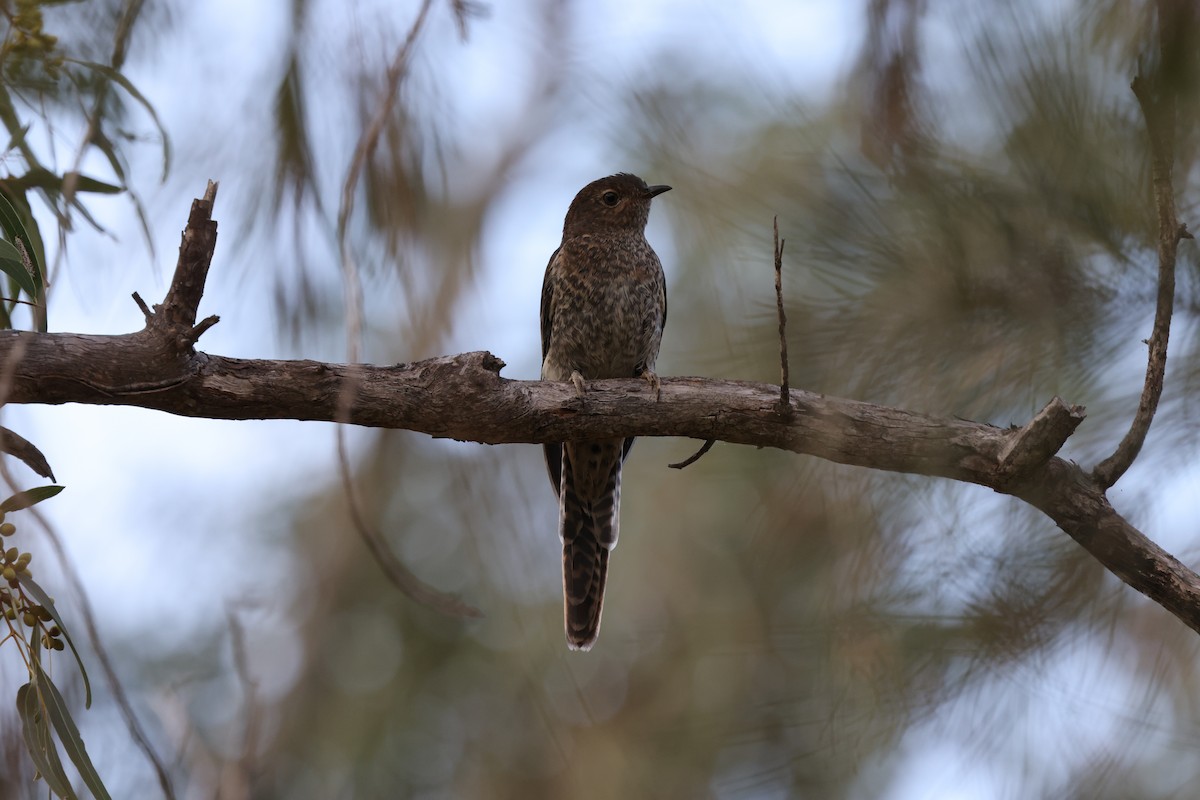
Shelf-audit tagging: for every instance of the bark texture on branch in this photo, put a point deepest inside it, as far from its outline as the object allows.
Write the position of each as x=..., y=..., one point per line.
x=463, y=397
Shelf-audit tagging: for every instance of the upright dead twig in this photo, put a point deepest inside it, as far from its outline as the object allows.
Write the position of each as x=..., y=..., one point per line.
x=785, y=395
x=785, y=398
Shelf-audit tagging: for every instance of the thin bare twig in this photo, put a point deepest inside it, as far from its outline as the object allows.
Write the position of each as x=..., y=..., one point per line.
x=694, y=457
x=396, y=571
x=351, y=280
x=241, y=666
x=370, y=136
x=785, y=399
x=18, y=300
x=1158, y=106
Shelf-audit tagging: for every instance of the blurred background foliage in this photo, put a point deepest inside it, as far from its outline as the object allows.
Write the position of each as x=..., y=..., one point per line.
x=969, y=232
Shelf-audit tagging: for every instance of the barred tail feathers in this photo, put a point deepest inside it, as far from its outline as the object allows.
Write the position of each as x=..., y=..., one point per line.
x=589, y=508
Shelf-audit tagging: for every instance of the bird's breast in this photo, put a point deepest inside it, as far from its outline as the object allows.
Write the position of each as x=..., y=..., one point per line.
x=608, y=308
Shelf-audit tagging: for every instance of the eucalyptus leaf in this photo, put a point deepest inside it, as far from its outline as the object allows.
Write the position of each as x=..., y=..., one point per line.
x=39, y=742
x=85, y=184
x=59, y=714
x=30, y=497
x=116, y=77
x=39, y=594
x=19, y=447
x=42, y=178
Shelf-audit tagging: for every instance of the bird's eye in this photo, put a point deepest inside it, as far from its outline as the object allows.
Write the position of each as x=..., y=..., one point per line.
x=609, y=198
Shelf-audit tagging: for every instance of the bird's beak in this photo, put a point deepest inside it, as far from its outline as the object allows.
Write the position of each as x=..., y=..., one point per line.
x=655, y=191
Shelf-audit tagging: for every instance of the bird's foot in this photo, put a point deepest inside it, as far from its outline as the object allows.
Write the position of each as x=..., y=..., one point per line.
x=655, y=384
x=577, y=379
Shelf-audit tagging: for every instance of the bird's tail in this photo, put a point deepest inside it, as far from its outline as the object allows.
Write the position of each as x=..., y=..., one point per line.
x=585, y=569
x=589, y=506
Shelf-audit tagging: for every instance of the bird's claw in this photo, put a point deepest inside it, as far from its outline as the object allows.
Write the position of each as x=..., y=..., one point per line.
x=577, y=380
x=655, y=384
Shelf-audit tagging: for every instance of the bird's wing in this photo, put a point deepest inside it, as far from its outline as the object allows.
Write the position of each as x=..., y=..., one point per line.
x=664, y=299
x=548, y=303
x=553, y=452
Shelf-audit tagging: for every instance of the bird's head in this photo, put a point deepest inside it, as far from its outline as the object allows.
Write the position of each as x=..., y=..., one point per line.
x=619, y=202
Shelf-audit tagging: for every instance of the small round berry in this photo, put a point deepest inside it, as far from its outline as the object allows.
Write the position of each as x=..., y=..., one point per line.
x=7, y=529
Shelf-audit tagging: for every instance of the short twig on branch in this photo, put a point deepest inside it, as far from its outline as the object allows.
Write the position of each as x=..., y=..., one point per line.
x=146, y=312
x=1039, y=439
x=193, y=336
x=694, y=457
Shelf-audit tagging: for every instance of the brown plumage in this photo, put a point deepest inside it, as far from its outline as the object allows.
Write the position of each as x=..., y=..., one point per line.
x=604, y=305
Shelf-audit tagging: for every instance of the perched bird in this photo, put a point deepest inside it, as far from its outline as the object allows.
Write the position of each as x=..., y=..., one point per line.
x=604, y=305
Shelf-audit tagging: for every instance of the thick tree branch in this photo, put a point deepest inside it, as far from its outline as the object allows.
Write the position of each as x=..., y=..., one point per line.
x=464, y=397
